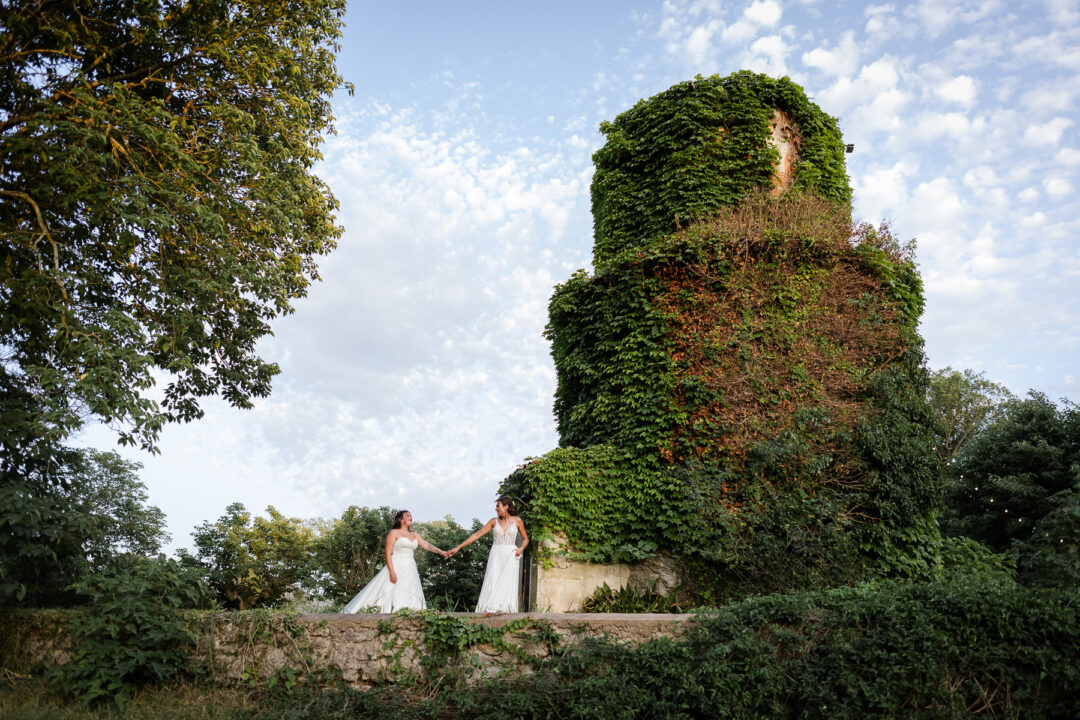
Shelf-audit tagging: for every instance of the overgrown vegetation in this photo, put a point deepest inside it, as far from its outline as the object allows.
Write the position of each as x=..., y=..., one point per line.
x=630, y=599
x=681, y=155
x=132, y=633
x=958, y=647
x=68, y=517
x=1015, y=488
x=741, y=381
x=157, y=211
x=749, y=393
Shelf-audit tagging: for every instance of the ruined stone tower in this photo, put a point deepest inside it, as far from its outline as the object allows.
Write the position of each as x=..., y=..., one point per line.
x=740, y=397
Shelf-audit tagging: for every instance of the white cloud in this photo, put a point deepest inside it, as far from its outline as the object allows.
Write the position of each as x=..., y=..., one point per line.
x=1048, y=133
x=937, y=16
x=960, y=90
x=882, y=191
x=878, y=77
x=1064, y=12
x=765, y=13
x=767, y=55
x=934, y=125
x=841, y=60
x=878, y=18
x=937, y=204
x=1068, y=156
x=1057, y=186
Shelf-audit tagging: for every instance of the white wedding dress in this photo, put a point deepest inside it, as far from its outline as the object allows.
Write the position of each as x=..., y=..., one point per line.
x=499, y=593
x=387, y=596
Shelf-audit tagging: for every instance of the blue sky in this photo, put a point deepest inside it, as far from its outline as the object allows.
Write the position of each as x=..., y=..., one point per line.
x=415, y=375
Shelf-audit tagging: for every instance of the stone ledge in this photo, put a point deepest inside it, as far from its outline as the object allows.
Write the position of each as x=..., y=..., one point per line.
x=366, y=649
x=380, y=648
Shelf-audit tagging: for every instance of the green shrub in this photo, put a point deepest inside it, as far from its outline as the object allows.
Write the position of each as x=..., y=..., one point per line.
x=132, y=633
x=956, y=648
x=630, y=599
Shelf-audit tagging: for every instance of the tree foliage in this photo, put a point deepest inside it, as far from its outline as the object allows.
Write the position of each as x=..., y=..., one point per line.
x=1016, y=488
x=349, y=550
x=159, y=207
x=109, y=485
x=963, y=402
x=250, y=562
x=132, y=633
x=89, y=509
x=452, y=585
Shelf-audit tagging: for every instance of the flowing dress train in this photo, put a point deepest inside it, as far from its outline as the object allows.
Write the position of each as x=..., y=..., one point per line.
x=380, y=593
x=499, y=593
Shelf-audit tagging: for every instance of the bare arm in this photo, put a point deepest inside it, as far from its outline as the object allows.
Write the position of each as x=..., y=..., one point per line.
x=476, y=535
x=428, y=546
x=524, y=536
x=390, y=539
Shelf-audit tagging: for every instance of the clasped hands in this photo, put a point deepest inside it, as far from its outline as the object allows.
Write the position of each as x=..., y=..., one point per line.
x=447, y=554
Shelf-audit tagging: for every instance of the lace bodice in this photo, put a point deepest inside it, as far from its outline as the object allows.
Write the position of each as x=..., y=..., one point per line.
x=505, y=537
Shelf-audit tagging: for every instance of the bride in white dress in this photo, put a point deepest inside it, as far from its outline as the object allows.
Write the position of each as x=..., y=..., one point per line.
x=499, y=593
x=397, y=585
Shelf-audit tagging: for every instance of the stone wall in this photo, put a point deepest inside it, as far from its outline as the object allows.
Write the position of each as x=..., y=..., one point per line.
x=372, y=649
x=365, y=649
x=563, y=585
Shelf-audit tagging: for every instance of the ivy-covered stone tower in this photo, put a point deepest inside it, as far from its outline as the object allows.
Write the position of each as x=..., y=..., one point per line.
x=741, y=388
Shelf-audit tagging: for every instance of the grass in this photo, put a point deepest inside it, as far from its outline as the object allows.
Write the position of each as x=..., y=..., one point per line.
x=23, y=698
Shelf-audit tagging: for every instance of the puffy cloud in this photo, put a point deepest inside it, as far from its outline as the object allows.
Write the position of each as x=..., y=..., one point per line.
x=960, y=90
x=881, y=191
x=841, y=60
x=1068, y=156
x=878, y=77
x=878, y=18
x=765, y=13
x=1057, y=186
x=767, y=55
x=1048, y=133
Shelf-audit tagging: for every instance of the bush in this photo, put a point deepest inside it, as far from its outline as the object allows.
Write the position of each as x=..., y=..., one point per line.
x=132, y=632
x=948, y=649
x=954, y=648
x=631, y=600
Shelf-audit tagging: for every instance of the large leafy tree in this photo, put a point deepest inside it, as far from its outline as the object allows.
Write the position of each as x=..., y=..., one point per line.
x=157, y=201
x=110, y=489
x=157, y=211
x=964, y=403
x=1016, y=489
x=350, y=549
x=53, y=533
x=250, y=562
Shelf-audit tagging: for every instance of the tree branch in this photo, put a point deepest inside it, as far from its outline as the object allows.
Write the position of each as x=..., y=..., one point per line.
x=44, y=234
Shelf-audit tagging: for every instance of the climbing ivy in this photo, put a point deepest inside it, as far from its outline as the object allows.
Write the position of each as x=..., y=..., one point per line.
x=747, y=392
x=607, y=506
x=701, y=145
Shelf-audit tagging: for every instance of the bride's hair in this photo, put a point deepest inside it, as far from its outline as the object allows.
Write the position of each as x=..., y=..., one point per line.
x=398, y=518
x=508, y=503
